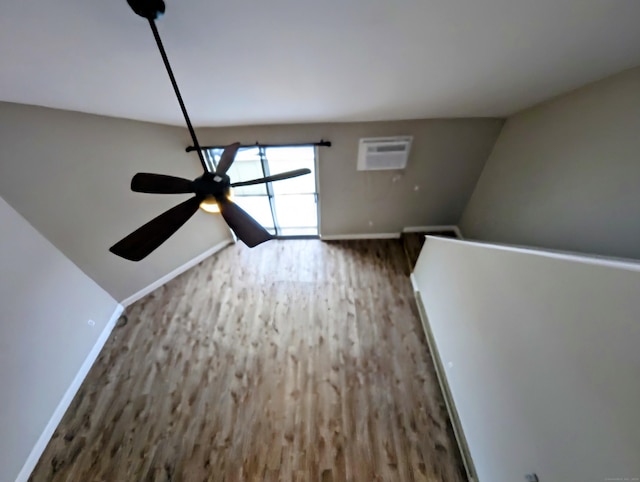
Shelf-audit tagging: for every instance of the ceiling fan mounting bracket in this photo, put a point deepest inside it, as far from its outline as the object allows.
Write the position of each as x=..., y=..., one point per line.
x=149, y=9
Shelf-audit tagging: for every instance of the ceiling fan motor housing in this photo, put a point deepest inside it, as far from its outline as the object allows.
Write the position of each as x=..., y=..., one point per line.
x=210, y=184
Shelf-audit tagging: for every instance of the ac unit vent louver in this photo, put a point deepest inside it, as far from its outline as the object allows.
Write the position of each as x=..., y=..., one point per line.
x=382, y=153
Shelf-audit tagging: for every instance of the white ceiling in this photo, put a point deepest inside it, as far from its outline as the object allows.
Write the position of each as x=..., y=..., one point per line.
x=277, y=61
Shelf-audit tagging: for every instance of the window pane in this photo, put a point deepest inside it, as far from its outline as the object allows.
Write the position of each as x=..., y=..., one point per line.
x=213, y=155
x=245, y=171
x=294, y=199
x=243, y=154
x=210, y=159
x=294, y=154
x=248, y=154
x=296, y=211
x=283, y=159
x=258, y=207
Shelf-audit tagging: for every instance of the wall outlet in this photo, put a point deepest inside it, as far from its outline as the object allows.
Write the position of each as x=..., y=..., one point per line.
x=531, y=478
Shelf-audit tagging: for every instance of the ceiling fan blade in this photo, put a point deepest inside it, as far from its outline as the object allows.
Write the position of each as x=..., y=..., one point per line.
x=160, y=184
x=246, y=228
x=228, y=155
x=275, y=177
x=144, y=240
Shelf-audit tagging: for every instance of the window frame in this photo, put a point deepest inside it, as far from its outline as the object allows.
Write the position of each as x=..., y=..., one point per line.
x=270, y=195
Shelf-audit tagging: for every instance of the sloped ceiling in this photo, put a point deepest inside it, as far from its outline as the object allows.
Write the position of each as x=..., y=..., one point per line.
x=247, y=62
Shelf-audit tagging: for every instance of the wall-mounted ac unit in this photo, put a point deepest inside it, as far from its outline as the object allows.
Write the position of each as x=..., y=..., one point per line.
x=381, y=153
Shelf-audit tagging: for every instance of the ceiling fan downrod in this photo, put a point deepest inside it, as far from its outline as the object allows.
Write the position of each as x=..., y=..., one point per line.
x=151, y=10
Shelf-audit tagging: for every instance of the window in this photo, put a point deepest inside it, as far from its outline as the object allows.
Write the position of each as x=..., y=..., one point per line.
x=284, y=208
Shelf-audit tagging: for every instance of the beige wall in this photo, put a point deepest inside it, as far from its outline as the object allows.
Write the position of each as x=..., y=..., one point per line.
x=540, y=354
x=68, y=174
x=565, y=174
x=446, y=159
x=45, y=304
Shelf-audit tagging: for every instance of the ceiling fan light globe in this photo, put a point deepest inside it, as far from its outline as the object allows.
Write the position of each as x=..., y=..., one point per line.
x=210, y=205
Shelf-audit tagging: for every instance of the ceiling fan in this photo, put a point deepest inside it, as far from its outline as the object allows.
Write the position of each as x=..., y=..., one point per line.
x=211, y=186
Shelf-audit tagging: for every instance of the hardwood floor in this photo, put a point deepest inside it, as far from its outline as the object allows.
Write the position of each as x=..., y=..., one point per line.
x=412, y=243
x=294, y=361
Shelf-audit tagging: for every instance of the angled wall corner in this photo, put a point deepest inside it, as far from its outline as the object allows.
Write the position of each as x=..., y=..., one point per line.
x=564, y=174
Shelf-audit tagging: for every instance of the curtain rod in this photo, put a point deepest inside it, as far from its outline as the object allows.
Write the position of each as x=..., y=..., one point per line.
x=322, y=143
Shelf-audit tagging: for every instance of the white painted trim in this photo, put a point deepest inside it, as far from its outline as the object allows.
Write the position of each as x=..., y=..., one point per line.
x=628, y=264
x=67, y=398
x=336, y=237
x=427, y=229
x=178, y=271
x=441, y=375
x=414, y=283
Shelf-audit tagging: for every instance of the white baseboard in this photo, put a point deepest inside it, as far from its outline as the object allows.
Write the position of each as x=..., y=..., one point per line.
x=444, y=387
x=336, y=237
x=427, y=229
x=408, y=229
x=178, y=271
x=67, y=398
